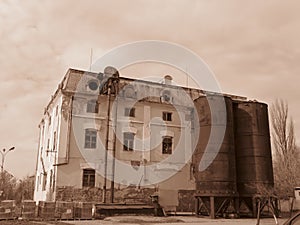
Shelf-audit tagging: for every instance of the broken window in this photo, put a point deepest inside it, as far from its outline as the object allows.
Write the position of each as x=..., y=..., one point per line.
x=90, y=138
x=92, y=106
x=88, y=179
x=167, y=116
x=167, y=145
x=130, y=112
x=128, y=141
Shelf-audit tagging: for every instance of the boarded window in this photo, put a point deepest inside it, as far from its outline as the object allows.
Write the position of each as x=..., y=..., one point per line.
x=88, y=179
x=128, y=141
x=167, y=145
x=90, y=138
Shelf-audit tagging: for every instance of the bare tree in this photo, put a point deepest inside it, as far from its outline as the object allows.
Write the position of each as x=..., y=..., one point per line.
x=286, y=160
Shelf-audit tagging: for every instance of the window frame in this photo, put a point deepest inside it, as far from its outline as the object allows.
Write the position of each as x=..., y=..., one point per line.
x=89, y=134
x=128, y=141
x=129, y=112
x=88, y=178
x=167, y=140
x=92, y=106
x=44, y=184
x=54, y=140
x=167, y=116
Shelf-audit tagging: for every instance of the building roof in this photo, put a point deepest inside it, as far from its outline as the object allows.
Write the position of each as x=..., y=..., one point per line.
x=72, y=78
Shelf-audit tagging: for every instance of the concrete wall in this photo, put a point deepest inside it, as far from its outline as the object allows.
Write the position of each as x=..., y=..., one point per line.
x=51, y=130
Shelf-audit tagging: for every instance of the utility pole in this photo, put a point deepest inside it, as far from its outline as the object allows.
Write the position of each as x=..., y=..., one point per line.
x=109, y=85
x=3, y=154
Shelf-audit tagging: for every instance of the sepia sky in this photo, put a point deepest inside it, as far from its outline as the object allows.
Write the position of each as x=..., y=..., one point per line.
x=253, y=47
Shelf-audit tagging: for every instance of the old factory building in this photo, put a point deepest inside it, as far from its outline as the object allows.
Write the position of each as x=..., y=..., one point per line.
x=106, y=138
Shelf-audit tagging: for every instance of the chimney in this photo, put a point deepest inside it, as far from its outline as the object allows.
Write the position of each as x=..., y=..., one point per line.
x=168, y=79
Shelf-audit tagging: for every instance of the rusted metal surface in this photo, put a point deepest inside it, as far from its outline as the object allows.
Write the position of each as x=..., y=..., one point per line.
x=253, y=148
x=119, y=209
x=220, y=176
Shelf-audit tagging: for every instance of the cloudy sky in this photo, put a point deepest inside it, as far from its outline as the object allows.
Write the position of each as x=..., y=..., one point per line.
x=253, y=47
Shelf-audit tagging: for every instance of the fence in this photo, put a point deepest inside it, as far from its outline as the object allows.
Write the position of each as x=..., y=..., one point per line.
x=44, y=210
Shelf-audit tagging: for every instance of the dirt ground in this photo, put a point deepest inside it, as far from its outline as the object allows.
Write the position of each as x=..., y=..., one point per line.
x=149, y=220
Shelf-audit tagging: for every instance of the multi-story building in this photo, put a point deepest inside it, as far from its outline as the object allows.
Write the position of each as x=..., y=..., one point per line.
x=108, y=137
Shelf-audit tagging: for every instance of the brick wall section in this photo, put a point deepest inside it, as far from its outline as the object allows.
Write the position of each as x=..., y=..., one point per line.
x=75, y=194
x=186, y=201
x=126, y=195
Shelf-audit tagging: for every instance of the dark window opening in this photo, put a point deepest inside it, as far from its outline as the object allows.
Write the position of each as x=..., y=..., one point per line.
x=56, y=111
x=128, y=141
x=92, y=106
x=167, y=145
x=44, y=181
x=93, y=85
x=130, y=112
x=90, y=138
x=51, y=179
x=88, y=179
x=167, y=116
x=54, y=141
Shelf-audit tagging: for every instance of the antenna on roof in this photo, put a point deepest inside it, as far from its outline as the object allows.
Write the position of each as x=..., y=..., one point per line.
x=91, y=59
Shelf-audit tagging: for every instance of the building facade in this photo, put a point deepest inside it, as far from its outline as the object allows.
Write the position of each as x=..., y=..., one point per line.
x=106, y=138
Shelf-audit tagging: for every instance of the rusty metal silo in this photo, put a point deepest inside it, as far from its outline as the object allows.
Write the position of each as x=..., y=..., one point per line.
x=216, y=184
x=253, y=148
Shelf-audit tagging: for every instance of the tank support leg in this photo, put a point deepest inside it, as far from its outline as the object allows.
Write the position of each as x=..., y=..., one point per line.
x=212, y=207
x=197, y=205
x=237, y=205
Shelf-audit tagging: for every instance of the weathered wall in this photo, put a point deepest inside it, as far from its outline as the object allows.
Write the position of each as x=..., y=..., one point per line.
x=126, y=195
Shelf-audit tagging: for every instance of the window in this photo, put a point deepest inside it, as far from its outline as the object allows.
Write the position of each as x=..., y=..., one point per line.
x=92, y=106
x=130, y=112
x=166, y=96
x=56, y=110
x=128, y=141
x=88, y=179
x=90, y=138
x=48, y=147
x=93, y=85
x=44, y=181
x=167, y=116
x=167, y=145
x=54, y=140
x=51, y=177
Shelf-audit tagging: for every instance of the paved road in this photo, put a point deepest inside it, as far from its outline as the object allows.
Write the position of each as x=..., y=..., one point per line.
x=178, y=220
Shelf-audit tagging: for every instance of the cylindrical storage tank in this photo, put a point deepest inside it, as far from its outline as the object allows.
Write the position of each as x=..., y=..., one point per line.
x=218, y=176
x=253, y=148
